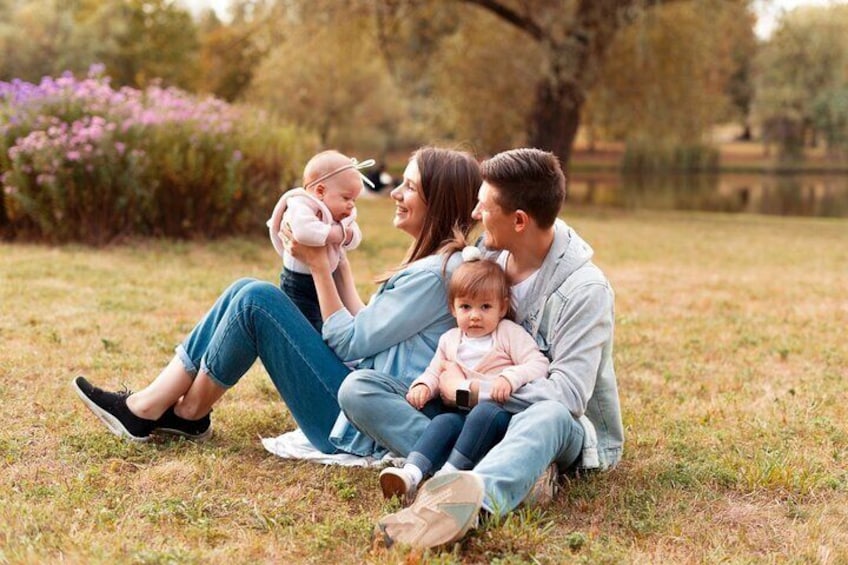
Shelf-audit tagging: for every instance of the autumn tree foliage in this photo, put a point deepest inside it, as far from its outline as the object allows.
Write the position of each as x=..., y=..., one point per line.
x=326, y=74
x=540, y=61
x=138, y=41
x=802, y=82
x=669, y=76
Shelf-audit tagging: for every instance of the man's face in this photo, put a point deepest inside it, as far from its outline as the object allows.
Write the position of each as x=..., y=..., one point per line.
x=499, y=225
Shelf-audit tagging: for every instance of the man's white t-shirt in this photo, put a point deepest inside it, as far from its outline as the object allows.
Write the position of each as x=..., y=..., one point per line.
x=517, y=291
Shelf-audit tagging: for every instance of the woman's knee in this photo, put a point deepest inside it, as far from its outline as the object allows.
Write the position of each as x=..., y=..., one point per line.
x=352, y=390
x=238, y=285
x=255, y=295
x=254, y=290
x=360, y=389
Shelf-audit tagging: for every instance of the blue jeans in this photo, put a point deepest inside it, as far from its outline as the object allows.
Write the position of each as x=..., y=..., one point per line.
x=255, y=319
x=544, y=433
x=301, y=289
x=460, y=438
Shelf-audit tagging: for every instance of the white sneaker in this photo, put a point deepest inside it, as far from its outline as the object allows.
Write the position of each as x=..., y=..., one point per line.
x=397, y=481
x=443, y=512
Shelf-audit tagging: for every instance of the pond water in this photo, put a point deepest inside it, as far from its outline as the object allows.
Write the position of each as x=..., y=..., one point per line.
x=824, y=195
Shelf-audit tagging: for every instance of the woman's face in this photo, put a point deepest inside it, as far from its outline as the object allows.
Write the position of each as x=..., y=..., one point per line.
x=410, y=208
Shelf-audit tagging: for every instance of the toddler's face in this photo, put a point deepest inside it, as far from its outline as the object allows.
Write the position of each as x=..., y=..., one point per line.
x=478, y=316
x=340, y=197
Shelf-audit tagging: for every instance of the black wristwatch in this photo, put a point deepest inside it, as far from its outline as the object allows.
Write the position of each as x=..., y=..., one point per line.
x=463, y=396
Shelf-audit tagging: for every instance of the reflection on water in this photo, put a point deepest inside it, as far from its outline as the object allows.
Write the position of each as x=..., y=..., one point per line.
x=784, y=195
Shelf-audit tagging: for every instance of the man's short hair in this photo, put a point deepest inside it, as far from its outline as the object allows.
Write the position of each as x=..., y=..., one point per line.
x=527, y=179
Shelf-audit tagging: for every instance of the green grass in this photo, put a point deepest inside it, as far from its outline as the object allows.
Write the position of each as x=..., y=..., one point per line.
x=732, y=361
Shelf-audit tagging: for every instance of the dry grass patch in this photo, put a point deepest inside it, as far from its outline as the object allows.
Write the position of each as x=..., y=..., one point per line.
x=731, y=357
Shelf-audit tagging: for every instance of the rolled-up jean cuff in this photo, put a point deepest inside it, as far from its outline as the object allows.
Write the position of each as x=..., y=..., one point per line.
x=421, y=461
x=204, y=368
x=188, y=364
x=460, y=461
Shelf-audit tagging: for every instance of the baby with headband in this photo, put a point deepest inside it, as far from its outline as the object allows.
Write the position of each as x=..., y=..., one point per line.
x=486, y=347
x=322, y=213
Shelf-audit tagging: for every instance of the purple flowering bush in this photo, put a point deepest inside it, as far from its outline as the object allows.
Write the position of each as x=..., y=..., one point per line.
x=81, y=161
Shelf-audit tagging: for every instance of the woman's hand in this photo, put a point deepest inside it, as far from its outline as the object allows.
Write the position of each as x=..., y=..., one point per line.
x=501, y=390
x=418, y=396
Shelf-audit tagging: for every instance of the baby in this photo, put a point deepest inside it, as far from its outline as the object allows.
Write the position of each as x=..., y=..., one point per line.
x=322, y=213
x=486, y=347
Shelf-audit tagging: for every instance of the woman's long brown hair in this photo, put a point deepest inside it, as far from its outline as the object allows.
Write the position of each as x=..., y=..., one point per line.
x=450, y=180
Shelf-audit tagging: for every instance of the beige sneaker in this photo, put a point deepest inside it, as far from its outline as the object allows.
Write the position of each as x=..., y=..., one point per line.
x=444, y=510
x=545, y=488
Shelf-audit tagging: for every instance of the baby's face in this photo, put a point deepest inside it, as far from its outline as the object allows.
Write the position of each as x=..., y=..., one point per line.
x=339, y=195
x=478, y=316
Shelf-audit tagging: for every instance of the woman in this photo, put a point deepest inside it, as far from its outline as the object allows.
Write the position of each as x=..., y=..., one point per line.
x=395, y=333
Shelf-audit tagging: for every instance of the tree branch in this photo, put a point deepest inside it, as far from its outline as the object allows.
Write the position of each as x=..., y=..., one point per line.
x=512, y=17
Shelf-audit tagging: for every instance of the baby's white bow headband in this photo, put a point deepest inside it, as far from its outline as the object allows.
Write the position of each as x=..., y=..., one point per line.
x=471, y=253
x=354, y=164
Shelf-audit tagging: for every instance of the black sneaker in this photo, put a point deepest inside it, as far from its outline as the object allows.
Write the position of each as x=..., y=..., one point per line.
x=111, y=408
x=197, y=430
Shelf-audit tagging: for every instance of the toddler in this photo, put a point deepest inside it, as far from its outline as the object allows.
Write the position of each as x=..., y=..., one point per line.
x=321, y=213
x=487, y=347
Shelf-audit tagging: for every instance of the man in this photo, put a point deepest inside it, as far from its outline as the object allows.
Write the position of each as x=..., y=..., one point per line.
x=566, y=303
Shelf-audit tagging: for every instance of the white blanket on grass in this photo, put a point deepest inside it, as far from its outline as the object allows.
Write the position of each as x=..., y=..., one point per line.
x=294, y=445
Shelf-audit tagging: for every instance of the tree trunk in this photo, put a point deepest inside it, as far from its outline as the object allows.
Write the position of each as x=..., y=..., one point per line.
x=555, y=118
x=4, y=220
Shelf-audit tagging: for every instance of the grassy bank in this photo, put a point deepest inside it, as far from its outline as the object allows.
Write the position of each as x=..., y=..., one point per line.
x=732, y=361
x=734, y=157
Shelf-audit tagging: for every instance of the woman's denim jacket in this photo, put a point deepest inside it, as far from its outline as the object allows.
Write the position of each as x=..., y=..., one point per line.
x=396, y=333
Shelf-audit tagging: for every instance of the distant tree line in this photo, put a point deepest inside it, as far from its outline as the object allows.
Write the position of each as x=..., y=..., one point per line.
x=381, y=75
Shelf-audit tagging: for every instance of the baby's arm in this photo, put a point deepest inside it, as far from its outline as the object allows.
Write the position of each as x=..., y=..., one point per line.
x=336, y=235
x=528, y=362
x=306, y=227
x=346, y=233
x=353, y=235
x=419, y=395
x=501, y=389
x=429, y=379
x=275, y=225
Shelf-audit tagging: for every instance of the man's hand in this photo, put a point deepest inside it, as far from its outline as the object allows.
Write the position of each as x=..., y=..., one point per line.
x=450, y=379
x=501, y=390
x=419, y=395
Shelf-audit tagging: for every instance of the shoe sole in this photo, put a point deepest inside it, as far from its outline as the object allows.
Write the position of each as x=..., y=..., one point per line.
x=113, y=424
x=393, y=485
x=456, y=497
x=193, y=437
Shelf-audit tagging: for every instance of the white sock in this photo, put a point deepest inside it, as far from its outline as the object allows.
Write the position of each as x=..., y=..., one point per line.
x=446, y=468
x=414, y=473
